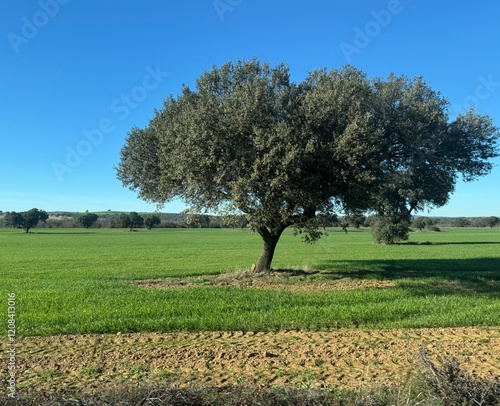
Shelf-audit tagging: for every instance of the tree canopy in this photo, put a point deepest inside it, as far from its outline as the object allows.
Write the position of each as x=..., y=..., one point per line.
x=492, y=221
x=151, y=221
x=26, y=219
x=131, y=220
x=87, y=220
x=248, y=140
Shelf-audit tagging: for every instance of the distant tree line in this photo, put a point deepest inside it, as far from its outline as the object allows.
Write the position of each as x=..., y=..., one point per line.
x=130, y=220
x=39, y=218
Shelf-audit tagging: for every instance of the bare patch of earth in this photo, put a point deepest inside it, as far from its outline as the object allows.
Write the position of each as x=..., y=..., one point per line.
x=292, y=281
x=335, y=359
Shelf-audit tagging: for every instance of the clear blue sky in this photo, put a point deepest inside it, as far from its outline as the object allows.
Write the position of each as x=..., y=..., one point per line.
x=77, y=75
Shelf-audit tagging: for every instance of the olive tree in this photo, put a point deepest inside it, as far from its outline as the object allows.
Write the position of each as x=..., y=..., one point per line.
x=420, y=223
x=87, y=220
x=26, y=219
x=13, y=219
x=131, y=220
x=151, y=221
x=425, y=153
x=250, y=141
x=492, y=221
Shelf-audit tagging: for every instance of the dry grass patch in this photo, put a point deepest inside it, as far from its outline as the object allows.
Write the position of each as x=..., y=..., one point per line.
x=291, y=280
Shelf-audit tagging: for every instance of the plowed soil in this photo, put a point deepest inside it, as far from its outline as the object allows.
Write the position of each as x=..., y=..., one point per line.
x=335, y=359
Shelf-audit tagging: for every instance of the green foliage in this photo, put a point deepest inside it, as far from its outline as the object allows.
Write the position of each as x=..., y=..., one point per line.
x=130, y=220
x=198, y=220
x=492, y=221
x=389, y=230
x=13, y=219
x=247, y=140
x=87, y=220
x=124, y=220
x=151, y=221
x=461, y=222
x=421, y=223
x=355, y=219
x=26, y=219
x=135, y=220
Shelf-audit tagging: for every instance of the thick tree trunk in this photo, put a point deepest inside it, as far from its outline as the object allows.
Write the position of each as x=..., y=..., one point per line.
x=270, y=241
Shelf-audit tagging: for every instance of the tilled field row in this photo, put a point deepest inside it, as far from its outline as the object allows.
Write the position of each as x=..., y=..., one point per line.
x=334, y=359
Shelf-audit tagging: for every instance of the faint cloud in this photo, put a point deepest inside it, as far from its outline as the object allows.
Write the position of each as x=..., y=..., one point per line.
x=122, y=106
x=363, y=36
x=32, y=26
x=224, y=6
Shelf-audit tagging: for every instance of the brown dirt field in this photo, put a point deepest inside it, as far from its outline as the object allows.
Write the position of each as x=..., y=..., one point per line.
x=335, y=359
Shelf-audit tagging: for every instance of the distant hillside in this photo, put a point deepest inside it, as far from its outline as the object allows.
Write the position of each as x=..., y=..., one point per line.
x=110, y=214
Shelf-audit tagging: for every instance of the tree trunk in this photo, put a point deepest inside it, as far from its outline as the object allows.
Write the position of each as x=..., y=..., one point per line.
x=270, y=241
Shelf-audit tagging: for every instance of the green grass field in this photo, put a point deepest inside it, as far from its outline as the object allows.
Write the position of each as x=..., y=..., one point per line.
x=78, y=281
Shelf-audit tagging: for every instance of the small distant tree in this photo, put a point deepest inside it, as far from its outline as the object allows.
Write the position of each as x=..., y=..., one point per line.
x=461, y=222
x=388, y=230
x=329, y=220
x=151, y=221
x=26, y=219
x=492, y=221
x=135, y=220
x=355, y=220
x=87, y=220
x=124, y=220
x=198, y=221
x=131, y=220
x=420, y=223
x=13, y=219
x=235, y=221
x=33, y=217
x=343, y=225
x=432, y=224
x=370, y=220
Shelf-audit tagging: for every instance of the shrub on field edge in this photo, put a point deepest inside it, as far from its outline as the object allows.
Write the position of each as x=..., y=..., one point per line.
x=454, y=386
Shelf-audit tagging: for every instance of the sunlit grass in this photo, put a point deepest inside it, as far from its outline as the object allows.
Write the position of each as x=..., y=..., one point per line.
x=78, y=281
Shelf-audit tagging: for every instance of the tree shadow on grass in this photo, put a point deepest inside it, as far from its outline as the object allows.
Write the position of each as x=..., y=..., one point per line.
x=420, y=276
x=449, y=243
